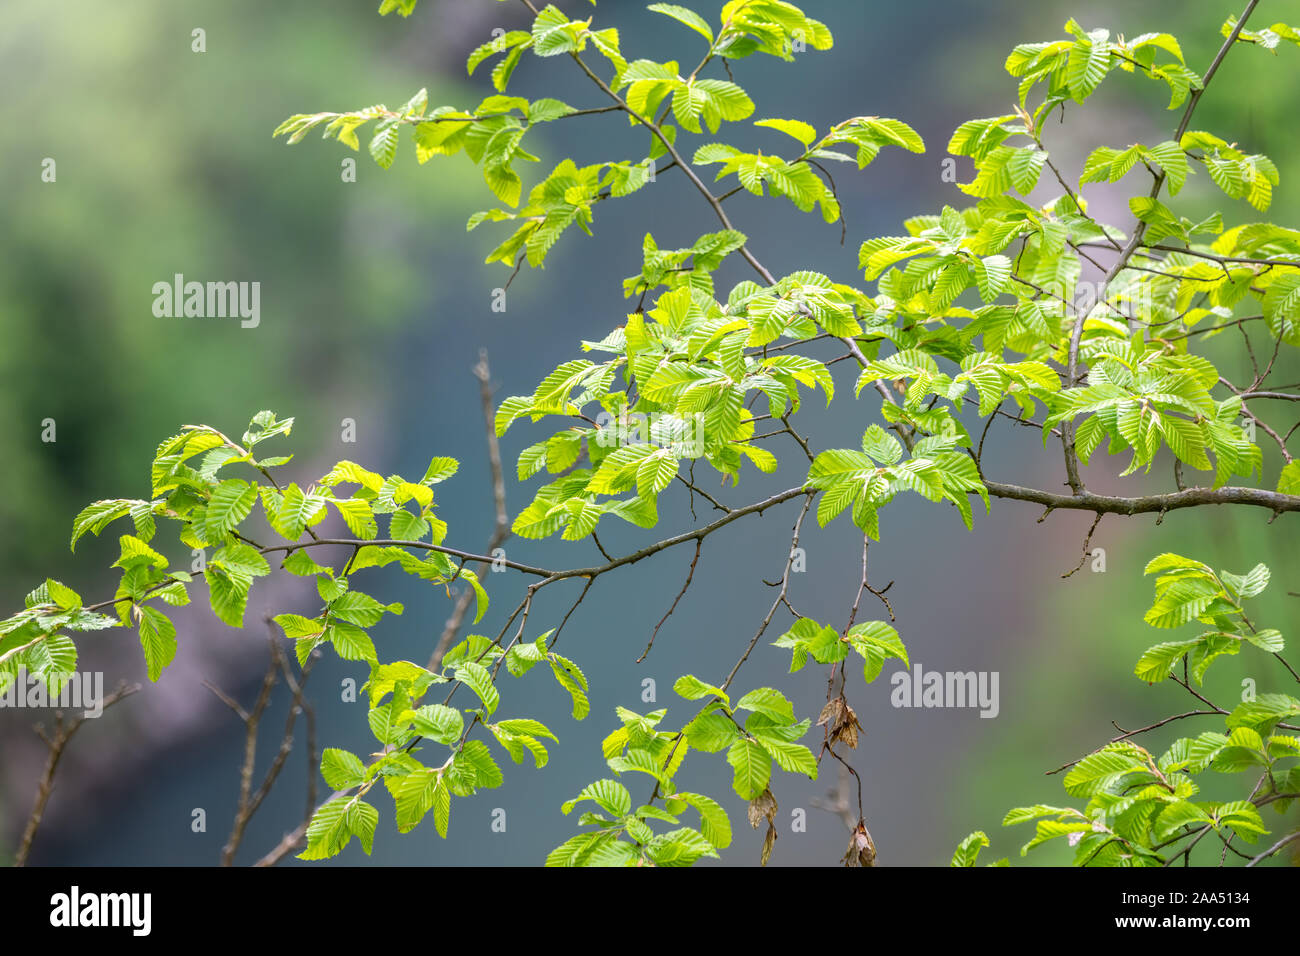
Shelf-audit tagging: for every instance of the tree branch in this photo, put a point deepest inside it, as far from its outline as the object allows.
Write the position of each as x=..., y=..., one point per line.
x=500, y=531
x=1148, y=504
x=57, y=744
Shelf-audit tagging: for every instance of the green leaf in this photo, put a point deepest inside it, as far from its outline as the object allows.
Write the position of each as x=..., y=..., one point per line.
x=789, y=756
x=477, y=678
x=1251, y=584
x=1288, y=482
x=1089, y=63
x=526, y=725
x=358, y=516
x=362, y=819
x=992, y=275
x=242, y=560
x=158, y=638
x=230, y=504
x=1168, y=561
x=546, y=110
x=683, y=15
x=296, y=626
x=769, y=702
x=262, y=426
x=440, y=469
x=692, y=688
x=330, y=830
x=480, y=595
x=805, y=133
x=711, y=732
x=1262, y=713
x=383, y=145
x=350, y=642
x=882, y=446
x=876, y=641
x=341, y=769
x=475, y=759
x=968, y=850
x=1023, y=167
x=1242, y=818
x=1181, y=602
x=98, y=515
x=723, y=101
x=361, y=609
x=1176, y=815
x=53, y=660
x=1267, y=639
x=610, y=795
x=1156, y=663
x=1099, y=771
x=689, y=101
x=406, y=526
x=641, y=760
x=551, y=33
x=415, y=795
x=714, y=824
x=230, y=575
x=580, y=849
x=753, y=768
x=135, y=552
x=572, y=679
x=655, y=473
x=438, y=722
x=680, y=848
x=1173, y=161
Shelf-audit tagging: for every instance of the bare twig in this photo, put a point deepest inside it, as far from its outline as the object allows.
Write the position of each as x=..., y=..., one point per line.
x=250, y=800
x=1087, y=540
x=501, y=529
x=680, y=594
x=57, y=744
x=1289, y=838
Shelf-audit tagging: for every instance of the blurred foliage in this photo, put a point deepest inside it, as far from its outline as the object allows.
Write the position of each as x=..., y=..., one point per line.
x=165, y=165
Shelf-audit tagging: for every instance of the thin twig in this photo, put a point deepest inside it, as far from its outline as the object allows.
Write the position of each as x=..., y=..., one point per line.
x=57, y=744
x=500, y=530
x=680, y=594
x=1087, y=540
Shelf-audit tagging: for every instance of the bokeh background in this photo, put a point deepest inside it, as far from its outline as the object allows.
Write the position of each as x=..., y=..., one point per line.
x=374, y=306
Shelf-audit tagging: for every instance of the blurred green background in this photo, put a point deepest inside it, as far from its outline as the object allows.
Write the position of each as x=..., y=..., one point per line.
x=374, y=304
